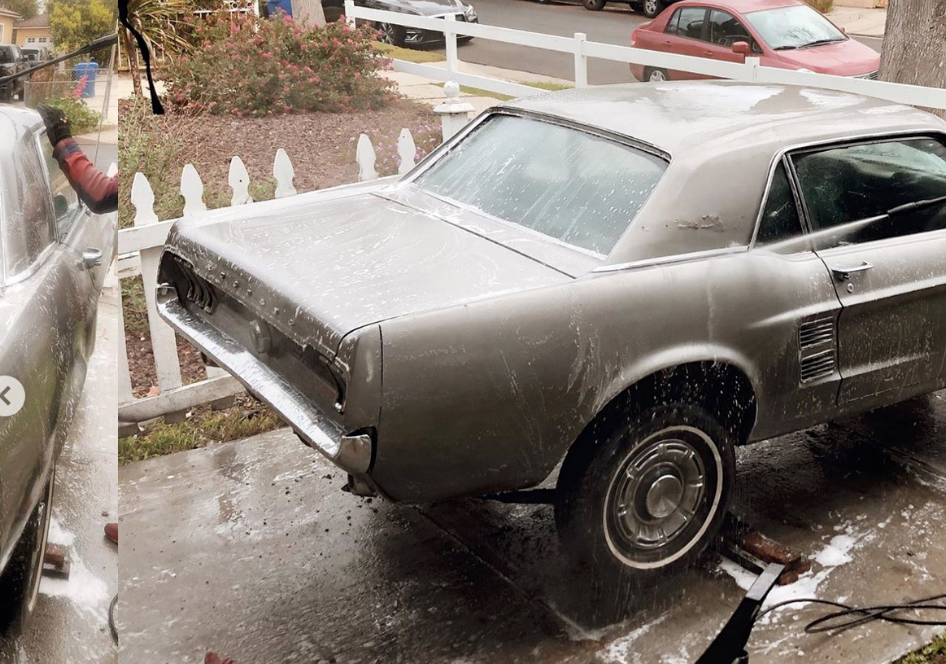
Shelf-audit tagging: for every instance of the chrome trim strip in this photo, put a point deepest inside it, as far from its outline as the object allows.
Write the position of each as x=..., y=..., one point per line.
x=508, y=224
x=676, y=258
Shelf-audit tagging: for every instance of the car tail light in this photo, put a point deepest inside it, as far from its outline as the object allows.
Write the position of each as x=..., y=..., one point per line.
x=634, y=39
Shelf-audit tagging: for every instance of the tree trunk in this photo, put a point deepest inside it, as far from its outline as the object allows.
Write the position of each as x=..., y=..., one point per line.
x=131, y=52
x=914, y=48
x=308, y=13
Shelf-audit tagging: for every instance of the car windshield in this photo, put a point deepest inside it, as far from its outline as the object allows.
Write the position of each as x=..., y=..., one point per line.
x=794, y=27
x=568, y=184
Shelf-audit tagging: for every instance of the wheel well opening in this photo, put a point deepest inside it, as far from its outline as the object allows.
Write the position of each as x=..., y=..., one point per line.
x=723, y=389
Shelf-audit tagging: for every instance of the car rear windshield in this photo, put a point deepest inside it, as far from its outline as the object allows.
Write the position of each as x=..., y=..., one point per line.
x=574, y=186
x=788, y=28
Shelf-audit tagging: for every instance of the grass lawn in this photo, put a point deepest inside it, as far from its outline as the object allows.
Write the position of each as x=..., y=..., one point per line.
x=935, y=653
x=407, y=54
x=202, y=427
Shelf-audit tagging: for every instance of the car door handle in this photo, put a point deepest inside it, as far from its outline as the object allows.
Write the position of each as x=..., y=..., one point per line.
x=91, y=258
x=844, y=273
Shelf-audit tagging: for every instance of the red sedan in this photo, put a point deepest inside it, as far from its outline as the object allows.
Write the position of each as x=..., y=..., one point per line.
x=781, y=33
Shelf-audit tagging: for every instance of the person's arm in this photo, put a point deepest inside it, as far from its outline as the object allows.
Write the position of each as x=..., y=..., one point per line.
x=98, y=191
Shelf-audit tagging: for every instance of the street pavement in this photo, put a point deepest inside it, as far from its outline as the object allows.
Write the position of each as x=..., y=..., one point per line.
x=252, y=550
x=612, y=25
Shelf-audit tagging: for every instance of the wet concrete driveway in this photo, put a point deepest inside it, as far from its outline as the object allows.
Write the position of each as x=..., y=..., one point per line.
x=252, y=550
x=70, y=625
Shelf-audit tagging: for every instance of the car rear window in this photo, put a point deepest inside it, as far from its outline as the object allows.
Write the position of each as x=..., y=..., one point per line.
x=568, y=184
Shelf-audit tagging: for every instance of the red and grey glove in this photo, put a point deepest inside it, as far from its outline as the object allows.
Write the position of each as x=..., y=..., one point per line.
x=57, y=126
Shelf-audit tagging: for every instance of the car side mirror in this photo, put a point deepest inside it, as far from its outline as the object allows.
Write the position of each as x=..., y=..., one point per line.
x=742, y=48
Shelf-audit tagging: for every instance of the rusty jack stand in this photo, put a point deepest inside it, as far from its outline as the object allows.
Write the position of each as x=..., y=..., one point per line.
x=749, y=548
x=56, y=563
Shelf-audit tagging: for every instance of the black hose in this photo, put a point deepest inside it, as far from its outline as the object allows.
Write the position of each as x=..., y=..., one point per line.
x=156, y=106
x=111, y=619
x=848, y=617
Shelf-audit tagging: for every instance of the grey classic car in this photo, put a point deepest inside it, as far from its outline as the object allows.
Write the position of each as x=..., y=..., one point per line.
x=53, y=257
x=627, y=280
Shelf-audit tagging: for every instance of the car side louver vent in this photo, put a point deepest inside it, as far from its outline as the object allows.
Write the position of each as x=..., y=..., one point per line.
x=817, y=340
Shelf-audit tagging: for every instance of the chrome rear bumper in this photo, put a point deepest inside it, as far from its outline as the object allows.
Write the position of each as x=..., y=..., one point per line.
x=317, y=428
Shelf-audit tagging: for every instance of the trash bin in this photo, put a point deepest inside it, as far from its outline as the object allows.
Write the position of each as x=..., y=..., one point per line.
x=87, y=70
x=276, y=6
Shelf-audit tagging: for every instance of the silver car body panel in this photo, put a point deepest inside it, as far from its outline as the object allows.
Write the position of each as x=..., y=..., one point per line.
x=484, y=388
x=47, y=319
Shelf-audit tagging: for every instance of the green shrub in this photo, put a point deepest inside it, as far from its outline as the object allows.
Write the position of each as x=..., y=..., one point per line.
x=246, y=66
x=145, y=145
x=82, y=119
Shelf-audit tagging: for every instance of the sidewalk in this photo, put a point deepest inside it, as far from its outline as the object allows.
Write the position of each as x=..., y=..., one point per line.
x=427, y=91
x=860, y=22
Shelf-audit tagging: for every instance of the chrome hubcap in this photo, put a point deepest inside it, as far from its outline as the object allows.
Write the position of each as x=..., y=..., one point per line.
x=387, y=33
x=650, y=6
x=663, y=497
x=657, y=493
x=657, y=76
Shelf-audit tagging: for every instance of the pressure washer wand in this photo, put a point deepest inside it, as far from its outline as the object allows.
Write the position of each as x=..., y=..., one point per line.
x=729, y=646
x=101, y=42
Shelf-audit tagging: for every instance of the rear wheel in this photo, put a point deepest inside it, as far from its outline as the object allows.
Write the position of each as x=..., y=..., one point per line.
x=652, y=8
x=644, y=493
x=390, y=34
x=19, y=582
x=655, y=75
x=594, y=5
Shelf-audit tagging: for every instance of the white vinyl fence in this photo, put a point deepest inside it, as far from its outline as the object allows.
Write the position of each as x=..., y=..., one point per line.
x=139, y=251
x=582, y=49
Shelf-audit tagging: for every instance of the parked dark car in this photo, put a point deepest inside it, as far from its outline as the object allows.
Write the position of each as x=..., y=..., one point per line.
x=12, y=61
x=650, y=8
x=398, y=35
x=782, y=33
x=53, y=256
x=578, y=278
x=37, y=55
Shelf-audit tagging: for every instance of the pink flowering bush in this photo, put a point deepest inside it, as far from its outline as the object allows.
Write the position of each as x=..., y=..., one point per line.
x=246, y=66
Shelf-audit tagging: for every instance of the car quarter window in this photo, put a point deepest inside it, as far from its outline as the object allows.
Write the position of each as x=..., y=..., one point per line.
x=860, y=182
x=687, y=22
x=65, y=199
x=27, y=231
x=780, y=220
x=725, y=30
x=576, y=187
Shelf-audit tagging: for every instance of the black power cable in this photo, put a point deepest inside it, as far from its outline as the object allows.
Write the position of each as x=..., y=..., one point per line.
x=156, y=106
x=857, y=616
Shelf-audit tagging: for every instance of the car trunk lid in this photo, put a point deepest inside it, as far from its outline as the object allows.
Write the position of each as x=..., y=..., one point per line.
x=318, y=270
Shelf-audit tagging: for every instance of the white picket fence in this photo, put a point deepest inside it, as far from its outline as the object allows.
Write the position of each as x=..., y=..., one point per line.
x=582, y=49
x=139, y=252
